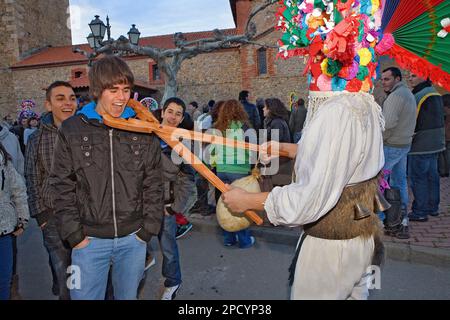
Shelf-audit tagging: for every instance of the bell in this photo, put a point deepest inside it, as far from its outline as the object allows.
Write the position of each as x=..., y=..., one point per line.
x=361, y=212
x=381, y=204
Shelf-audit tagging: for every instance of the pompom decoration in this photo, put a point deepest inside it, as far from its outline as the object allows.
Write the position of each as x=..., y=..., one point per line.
x=324, y=83
x=25, y=110
x=338, y=36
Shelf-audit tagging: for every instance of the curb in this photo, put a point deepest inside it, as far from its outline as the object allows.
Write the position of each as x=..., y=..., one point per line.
x=289, y=236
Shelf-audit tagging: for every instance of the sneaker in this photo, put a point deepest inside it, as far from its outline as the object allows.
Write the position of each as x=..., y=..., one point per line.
x=252, y=242
x=182, y=230
x=170, y=292
x=150, y=261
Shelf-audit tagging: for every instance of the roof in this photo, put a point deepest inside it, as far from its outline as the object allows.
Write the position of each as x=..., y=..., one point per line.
x=83, y=82
x=54, y=56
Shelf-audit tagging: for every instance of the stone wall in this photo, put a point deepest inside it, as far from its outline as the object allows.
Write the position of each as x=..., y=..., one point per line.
x=31, y=83
x=42, y=23
x=23, y=31
x=9, y=54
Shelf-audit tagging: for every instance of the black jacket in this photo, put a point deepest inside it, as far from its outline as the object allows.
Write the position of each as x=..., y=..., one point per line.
x=102, y=191
x=429, y=134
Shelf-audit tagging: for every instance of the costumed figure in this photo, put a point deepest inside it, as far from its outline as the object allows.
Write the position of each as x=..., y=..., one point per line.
x=335, y=194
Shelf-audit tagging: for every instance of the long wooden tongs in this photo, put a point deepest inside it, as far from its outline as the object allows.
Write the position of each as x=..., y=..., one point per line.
x=149, y=124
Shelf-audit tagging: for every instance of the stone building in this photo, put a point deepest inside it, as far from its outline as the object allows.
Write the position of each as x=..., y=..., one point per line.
x=35, y=52
x=32, y=59
x=24, y=32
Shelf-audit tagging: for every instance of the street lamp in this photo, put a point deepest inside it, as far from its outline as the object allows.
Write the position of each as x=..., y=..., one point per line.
x=133, y=35
x=98, y=28
x=94, y=42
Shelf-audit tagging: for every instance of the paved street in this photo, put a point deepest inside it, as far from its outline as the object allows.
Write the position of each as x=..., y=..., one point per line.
x=211, y=271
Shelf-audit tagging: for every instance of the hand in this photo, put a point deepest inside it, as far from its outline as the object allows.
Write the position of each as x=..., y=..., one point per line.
x=42, y=226
x=18, y=232
x=82, y=244
x=235, y=198
x=268, y=151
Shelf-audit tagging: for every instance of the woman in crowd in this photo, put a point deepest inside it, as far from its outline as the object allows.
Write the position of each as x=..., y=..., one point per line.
x=232, y=163
x=14, y=215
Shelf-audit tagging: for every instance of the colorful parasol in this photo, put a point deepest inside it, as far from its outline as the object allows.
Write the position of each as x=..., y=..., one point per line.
x=420, y=30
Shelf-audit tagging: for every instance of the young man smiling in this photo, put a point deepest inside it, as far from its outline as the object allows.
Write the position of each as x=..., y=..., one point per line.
x=61, y=103
x=108, y=188
x=179, y=188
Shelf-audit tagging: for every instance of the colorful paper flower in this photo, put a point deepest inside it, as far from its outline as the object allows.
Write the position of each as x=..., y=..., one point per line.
x=324, y=83
x=445, y=23
x=365, y=56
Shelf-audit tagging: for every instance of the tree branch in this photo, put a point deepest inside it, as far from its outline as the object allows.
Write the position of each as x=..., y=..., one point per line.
x=250, y=28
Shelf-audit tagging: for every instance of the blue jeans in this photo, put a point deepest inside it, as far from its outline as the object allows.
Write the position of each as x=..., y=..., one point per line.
x=126, y=256
x=243, y=236
x=59, y=256
x=395, y=160
x=424, y=178
x=6, y=265
x=171, y=269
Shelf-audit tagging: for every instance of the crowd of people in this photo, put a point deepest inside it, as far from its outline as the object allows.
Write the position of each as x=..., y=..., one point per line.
x=99, y=194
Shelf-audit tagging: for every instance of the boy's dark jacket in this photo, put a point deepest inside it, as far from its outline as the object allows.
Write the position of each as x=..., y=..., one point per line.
x=88, y=176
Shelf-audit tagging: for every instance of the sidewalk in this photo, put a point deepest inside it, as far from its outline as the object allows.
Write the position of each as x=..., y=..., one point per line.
x=429, y=242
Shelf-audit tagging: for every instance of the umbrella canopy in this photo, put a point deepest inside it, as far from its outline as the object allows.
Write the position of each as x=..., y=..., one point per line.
x=419, y=29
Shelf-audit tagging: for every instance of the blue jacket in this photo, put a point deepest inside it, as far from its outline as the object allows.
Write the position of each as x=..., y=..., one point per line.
x=253, y=114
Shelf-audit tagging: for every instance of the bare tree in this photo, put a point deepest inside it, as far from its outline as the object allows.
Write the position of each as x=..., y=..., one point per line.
x=169, y=60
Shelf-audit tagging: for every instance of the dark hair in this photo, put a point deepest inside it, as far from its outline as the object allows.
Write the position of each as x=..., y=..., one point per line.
x=276, y=109
x=106, y=73
x=194, y=104
x=395, y=72
x=175, y=100
x=6, y=155
x=446, y=99
x=300, y=102
x=243, y=95
x=211, y=104
x=216, y=109
x=30, y=119
x=48, y=91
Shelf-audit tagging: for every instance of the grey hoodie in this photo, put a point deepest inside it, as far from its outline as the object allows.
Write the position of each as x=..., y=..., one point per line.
x=14, y=211
x=399, y=111
x=11, y=144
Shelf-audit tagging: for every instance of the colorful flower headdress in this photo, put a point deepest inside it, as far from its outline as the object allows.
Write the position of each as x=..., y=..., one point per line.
x=340, y=38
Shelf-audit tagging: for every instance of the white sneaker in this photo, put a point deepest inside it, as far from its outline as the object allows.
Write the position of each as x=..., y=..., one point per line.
x=170, y=293
x=150, y=261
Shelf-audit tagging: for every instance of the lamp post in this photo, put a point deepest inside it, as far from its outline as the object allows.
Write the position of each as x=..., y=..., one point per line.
x=98, y=29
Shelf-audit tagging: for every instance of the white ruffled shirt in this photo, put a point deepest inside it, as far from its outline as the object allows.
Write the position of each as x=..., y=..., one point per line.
x=342, y=144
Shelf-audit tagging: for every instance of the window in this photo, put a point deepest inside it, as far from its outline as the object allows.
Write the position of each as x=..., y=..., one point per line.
x=262, y=61
x=155, y=72
x=78, y=74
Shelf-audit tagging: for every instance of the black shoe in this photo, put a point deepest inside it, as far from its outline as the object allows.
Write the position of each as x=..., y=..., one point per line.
x=403, y=233
x=415, y=218
x=434, y=214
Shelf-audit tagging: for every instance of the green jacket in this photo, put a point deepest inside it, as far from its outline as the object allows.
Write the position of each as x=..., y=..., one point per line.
x=233, y=160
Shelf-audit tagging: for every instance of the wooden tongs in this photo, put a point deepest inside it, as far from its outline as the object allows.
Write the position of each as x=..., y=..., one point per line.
x=148, y=123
